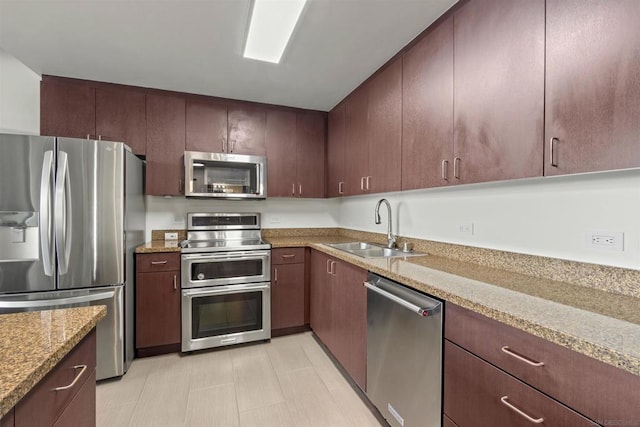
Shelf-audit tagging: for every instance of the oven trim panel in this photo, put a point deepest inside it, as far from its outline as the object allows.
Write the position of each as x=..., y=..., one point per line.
x=189, y=259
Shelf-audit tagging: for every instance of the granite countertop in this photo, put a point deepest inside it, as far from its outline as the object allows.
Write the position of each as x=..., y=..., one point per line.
x=594, y=322
x=156, y=246
x=32, y=343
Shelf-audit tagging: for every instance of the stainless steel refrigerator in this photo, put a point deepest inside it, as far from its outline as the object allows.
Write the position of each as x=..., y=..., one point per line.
x=71, y=215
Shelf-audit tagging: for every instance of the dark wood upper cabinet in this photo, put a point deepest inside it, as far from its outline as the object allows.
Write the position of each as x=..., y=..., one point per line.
x=356, y=144
x=246, y=129
x=592, y=86
x=120, y=116
x=67, y=109
x=280, y=146
x=499, y=90
x=165, y=145
x=336, y=151
x=385, y=129
x=427, y=110
x=310, y=153
x=206, y=126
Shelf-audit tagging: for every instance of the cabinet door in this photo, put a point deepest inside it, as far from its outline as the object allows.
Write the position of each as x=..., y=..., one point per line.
x=356, y=145
x=475, y=394
x=157, y=309
x=206, y=126
x=336, y=151
x=592, y=86
x=385, y=129
x=427, y=110
x=499, y=89
x=355, y=296
x=281, y=146
x=8, y=420
x=82, y=409
x=310, y=153
x=67, y=109
x=340, y=314
x=287, y=295
x=120, y=116
x=320, y=298
x=247, y=131
x=165, y=145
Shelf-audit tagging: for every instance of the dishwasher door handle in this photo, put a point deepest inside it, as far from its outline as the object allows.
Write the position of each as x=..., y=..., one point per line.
x=420, y=311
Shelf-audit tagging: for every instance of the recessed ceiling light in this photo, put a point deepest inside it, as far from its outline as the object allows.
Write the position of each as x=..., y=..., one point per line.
x=271, y=25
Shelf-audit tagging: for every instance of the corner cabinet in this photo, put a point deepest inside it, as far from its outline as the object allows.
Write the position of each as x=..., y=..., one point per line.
x=158, y=302
x=295, y=145
x=592, y=86
x=339, y=312
x=519, y=379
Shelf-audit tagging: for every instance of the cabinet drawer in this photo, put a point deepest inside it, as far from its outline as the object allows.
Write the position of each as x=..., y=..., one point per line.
x=162, y=261
x=477, y=394
x=287, y=256
x=562, y=375
x=44, y=404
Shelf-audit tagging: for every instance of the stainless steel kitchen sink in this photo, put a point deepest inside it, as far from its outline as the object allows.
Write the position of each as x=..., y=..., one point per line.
x=372, y=250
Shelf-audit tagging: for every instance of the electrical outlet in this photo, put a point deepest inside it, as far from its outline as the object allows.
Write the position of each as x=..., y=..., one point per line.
x=178, y=219
x=275, y=220
x=170, y=236
x=466, y=228
x=608, y=240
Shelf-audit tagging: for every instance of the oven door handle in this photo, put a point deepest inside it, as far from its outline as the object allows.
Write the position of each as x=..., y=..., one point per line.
x=232, y=289
x=226, y=256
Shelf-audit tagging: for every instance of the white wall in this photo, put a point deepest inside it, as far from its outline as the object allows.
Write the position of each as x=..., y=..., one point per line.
x=276, y=212
x=542, y=216
x=19, y=97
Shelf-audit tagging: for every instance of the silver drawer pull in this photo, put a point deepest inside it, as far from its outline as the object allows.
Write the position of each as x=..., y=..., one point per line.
x=288, y=256
x=158, y=262
x=503, y=399
x=506, y=349
x=75, y=380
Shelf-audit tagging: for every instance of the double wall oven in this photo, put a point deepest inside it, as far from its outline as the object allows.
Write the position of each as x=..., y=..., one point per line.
x=226, y=268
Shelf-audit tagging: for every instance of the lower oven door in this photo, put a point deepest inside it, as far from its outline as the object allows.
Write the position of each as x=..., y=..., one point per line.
x=225, y=315
x=225, y=268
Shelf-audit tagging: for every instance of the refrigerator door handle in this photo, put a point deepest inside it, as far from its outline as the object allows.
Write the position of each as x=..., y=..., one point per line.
x=45, y=212
x=57, y=302
x=62, y=213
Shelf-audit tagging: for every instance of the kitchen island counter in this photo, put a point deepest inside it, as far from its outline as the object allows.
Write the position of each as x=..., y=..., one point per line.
x=32, y=344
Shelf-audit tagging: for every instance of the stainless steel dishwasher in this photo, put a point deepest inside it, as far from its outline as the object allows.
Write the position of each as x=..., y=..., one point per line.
x=404, y=354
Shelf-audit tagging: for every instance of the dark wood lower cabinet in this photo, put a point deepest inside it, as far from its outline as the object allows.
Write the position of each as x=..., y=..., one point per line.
x=82, y=409
x=47, y=404
x=8, y=420
x=339, y=312
x=476, y=394
x=287, y=296
x=446, y=422
x=157, y=310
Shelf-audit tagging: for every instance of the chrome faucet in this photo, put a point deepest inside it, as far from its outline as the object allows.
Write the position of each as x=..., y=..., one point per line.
x=391, y=239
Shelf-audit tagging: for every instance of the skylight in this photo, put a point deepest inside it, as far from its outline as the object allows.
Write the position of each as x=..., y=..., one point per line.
x=272, y=23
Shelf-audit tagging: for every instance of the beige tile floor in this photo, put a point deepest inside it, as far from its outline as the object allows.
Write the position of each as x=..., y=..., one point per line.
x=289, y=381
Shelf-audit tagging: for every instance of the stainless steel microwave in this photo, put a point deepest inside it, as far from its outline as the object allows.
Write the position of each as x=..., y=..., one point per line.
x=226, y=176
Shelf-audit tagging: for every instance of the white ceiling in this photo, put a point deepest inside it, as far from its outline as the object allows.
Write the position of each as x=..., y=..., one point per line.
x=196, y=46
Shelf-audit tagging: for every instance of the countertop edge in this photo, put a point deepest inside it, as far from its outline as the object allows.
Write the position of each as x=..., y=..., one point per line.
x=36, y=375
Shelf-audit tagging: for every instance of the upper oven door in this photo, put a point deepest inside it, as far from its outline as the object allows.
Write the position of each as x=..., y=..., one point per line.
x=221, y=175
x=225, y=268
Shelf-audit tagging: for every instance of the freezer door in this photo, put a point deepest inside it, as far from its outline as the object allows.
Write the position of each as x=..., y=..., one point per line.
x=89, y=213
x=110, y=330
x=26, y=207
